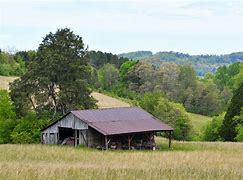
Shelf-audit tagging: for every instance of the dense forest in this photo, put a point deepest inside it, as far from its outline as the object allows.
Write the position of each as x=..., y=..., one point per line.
x=201, y=63
x=62, y=73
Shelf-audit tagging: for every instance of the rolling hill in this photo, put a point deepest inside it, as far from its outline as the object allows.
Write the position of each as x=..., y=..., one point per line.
x=201, y=63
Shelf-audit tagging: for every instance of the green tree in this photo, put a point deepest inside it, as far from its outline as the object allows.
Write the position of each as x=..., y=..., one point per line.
x=28, y=129
x=11, y=64
x=204, y=99
x=7, y=117
x=59, y=76
x=149, y=101
x=213, y=128
x=230, y=123
x=238, y=78
x=141, y=78
x=125, y=68
x=108, y=76
x=187, y=81
x=98, y=59
x=166, y=80
x=172, y=113
x=225, y=76
x=239, y=127
x=175, y=115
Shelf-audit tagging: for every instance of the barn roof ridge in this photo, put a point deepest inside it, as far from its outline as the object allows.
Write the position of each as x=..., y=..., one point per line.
x=101, y=109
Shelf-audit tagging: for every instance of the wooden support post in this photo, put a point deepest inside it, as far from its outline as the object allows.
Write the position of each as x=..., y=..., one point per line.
x=75, y=137
x=169, y=139
x=129, y=142
x=153, y=138
x=42, y=138
x=106, y=143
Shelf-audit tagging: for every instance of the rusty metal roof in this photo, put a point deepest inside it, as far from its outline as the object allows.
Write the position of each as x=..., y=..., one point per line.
x=123, y=120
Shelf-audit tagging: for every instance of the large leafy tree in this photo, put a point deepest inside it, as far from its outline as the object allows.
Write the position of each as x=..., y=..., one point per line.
x=225, y=76
x=58, y=79
x=229, y=131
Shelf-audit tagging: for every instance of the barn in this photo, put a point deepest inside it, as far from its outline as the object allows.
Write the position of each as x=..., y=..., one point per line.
x=116, y=128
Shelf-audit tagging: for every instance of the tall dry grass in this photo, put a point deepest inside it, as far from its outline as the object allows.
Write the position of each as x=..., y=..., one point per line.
x=185, y=161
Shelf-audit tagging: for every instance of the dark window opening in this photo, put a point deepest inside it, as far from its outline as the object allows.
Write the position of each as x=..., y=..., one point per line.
x=65, y=133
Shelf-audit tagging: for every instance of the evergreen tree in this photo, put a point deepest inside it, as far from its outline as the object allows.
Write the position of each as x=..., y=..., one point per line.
x=228, y=131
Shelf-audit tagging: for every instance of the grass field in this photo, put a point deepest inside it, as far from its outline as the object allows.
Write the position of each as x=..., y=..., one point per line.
x=187, y=160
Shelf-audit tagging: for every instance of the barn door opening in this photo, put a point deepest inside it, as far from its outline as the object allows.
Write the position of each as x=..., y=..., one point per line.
x=66, y=135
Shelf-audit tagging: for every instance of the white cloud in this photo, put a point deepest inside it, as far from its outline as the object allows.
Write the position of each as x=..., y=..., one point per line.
x=173, y=19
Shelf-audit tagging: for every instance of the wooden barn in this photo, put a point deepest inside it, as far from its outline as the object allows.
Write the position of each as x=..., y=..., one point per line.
x=116, y=128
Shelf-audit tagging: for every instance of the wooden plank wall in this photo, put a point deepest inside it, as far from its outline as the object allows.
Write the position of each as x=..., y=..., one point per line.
x=50, y=135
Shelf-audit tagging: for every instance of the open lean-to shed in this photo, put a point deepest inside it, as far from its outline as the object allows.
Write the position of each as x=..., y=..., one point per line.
x=117, y=128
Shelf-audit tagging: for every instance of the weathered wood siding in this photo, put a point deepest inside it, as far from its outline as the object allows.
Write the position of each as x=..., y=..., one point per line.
x=95, y=138
x=83, y=137
x=50, y=135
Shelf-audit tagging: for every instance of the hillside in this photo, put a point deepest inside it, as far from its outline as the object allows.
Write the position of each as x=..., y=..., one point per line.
x=198, y=122
x=187, y=160
x=105, y=101
x=201, y=63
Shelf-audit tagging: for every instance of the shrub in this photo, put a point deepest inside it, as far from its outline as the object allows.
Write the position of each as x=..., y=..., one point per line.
x=7, y=117
x=28, y=129
x=175, y=115
x=149, y=101
x=239, y=136
x=213, y=128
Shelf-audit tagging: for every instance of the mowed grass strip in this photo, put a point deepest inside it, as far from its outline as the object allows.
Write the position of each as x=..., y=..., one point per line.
x=198, y=160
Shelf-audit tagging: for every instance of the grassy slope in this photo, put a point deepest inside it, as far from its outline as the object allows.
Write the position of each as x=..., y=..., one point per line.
x=198, y=121
x=188, y=160
x=105, y=101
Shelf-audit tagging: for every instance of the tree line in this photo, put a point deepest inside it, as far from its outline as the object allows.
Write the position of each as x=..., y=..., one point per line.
x=62, y=73
x=201, y=63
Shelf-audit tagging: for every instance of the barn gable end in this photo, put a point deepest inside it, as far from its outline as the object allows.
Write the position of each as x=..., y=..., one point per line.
x=51, y=134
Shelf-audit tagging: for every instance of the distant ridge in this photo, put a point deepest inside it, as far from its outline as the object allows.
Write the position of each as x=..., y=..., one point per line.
x=201, y=63
x=136, y=55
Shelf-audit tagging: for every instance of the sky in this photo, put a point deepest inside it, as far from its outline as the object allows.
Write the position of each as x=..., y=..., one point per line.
x=190, y=26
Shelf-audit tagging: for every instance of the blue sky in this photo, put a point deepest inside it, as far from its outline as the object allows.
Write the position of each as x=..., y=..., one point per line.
x=192, y=26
